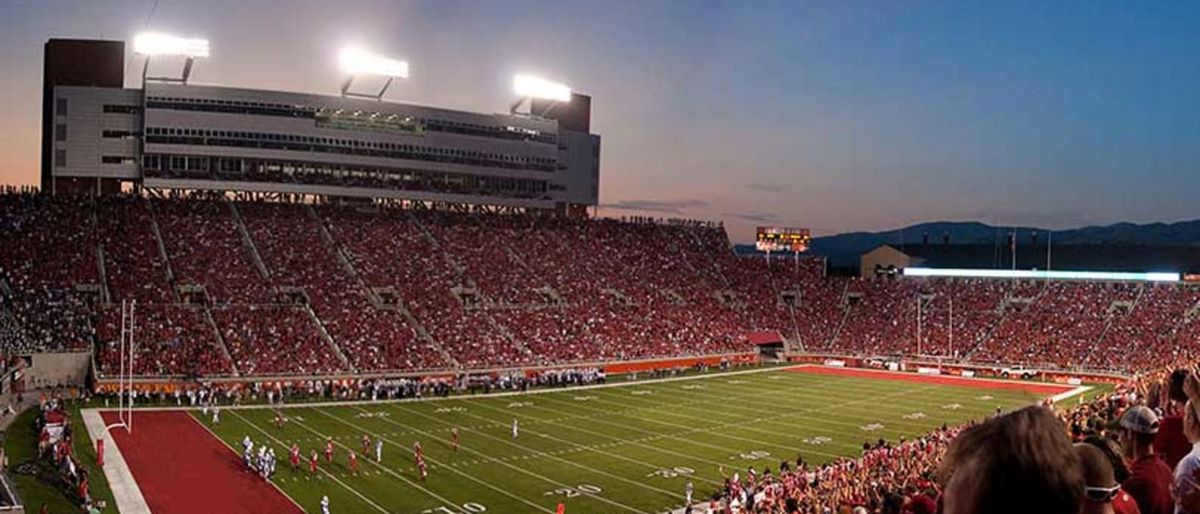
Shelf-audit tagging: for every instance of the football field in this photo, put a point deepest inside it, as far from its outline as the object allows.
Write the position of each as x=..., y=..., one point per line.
x=629, y=446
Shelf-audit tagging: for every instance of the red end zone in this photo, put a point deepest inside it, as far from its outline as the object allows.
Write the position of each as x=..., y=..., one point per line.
x=977, y=383
x=182, y=469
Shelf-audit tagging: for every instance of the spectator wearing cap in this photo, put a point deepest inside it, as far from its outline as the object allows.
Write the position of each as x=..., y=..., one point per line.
x=1018, y=462
x=1170, y=442
x=1149, y=477
x=1101, y=489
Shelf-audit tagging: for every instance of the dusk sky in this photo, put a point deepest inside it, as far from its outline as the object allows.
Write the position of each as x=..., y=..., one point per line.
x=831, y=115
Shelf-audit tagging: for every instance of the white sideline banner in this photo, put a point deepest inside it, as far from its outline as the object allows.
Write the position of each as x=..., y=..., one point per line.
x=968, y=373
x=835, y=363
x=929, y=371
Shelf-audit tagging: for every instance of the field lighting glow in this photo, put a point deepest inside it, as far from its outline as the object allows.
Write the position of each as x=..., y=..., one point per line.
x=357, y=61
x=154, y=43
x=536, y=87
x=1042, y=275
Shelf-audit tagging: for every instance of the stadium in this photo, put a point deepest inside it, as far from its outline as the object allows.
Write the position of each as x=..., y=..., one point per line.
x=342, y=303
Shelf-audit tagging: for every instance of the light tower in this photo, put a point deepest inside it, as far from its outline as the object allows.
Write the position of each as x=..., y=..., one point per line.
x=152, y=44
x=529, y=87
x=356, y=61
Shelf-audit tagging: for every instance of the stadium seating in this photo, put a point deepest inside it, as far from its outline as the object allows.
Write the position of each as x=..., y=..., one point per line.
x=273, y=288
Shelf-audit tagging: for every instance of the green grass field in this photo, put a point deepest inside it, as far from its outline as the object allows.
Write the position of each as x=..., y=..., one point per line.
x=629, y=448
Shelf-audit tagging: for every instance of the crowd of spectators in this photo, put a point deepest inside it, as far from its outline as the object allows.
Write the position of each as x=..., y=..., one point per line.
x=1129, y=451
x=393, y=289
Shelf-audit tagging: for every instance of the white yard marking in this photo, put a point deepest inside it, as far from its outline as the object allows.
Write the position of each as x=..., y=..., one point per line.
x=554, y=457
x=323, y=471
x=872, y=427
x=489, y=458
x=439, y=465
x=126, y=493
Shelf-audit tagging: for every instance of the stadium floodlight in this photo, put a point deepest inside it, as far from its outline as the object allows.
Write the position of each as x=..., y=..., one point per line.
x=356, y=61
x=1042, y=274
x=154, y=43
x=529, y=86
x=151, y=44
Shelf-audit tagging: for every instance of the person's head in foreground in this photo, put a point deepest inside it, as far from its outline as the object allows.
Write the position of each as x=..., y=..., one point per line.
x=1100, y=482
x=1138, y=426
x=1022, y=461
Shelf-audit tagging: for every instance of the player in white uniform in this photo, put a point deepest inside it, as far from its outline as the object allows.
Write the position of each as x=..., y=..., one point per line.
x=247, y=451
x=324, y=505
x=514, y=428
x=687, y=489
x=379, y=450
x=216, y=419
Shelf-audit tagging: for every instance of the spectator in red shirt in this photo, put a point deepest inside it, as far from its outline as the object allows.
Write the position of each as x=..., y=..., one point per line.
x=1019, y=462
x=1170, y=442
x=1102, y=492
x=1149, y=477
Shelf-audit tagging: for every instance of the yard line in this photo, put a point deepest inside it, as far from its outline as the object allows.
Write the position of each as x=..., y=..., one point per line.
x=723, y=405
x=323, y=470
x=614, y=438
x=235, y=453
x=451, y=468
x=743, y=422
x=553, y=457
x=506, y=464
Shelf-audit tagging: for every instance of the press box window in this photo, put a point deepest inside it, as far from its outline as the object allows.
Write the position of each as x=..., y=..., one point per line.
x=116, y=159
x=60, y=158
x=60, y=106
x=60, y=132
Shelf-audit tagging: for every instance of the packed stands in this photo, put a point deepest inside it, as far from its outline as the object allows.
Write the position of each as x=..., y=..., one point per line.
x=267, y=288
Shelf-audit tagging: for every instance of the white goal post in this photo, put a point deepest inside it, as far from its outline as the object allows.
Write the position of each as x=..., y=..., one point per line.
x=125, y=348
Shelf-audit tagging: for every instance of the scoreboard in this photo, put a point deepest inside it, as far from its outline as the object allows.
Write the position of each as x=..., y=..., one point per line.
x=782, y=239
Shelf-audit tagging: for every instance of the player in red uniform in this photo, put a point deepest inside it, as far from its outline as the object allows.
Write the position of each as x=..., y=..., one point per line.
x=312, y=462
x=366, y=444
x=329, y=451
x=454, y=439
x=353, y=463
x=422, y=471
x=294, y=458
x=279, y=420
x=418, y=453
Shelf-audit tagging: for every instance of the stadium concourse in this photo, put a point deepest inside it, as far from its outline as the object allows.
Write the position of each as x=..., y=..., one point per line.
x=230, y=288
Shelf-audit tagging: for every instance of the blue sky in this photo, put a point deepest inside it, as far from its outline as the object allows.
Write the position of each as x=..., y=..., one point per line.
x=832, y=115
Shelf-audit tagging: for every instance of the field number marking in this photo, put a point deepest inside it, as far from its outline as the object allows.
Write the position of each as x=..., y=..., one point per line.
x=672, y=472
x=467, y=508
x=572, y=492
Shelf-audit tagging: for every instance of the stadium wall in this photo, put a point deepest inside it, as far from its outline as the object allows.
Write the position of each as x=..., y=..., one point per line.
x=52, y=369
x=106, y=384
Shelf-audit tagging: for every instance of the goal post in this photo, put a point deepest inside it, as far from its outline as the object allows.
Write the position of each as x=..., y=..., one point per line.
x=125, y=351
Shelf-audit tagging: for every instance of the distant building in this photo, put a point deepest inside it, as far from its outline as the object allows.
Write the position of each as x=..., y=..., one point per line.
x=885, y=260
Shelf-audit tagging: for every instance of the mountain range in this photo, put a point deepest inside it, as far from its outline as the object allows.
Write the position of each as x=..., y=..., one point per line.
x=841, y=248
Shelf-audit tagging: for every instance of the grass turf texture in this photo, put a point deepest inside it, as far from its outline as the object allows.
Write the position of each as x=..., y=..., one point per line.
x=44, y=487
x=620, y=449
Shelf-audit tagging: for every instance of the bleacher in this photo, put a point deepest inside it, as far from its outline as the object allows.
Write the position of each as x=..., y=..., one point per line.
x=260, y=288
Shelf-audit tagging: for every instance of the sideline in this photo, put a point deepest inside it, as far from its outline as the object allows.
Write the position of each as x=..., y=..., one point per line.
x=125, y=491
